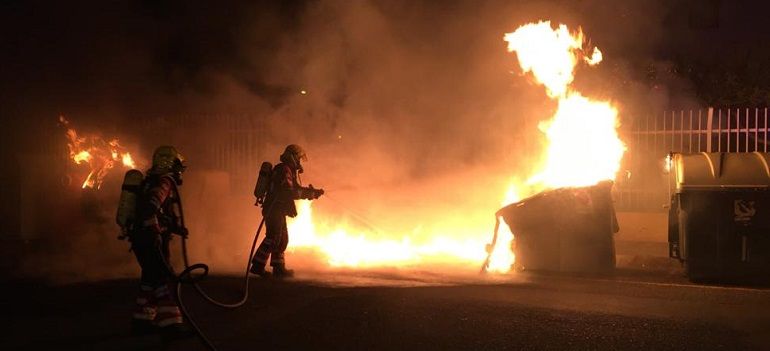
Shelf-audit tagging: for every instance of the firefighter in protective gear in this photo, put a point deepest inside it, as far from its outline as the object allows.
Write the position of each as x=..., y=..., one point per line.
x=284, y=188
x=158, y=216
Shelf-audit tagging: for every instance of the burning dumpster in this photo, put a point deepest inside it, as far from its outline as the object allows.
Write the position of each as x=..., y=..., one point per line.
x=564, y=230
x=719, y=220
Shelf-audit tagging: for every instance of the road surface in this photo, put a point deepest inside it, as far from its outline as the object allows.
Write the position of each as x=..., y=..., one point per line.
x=408, y=310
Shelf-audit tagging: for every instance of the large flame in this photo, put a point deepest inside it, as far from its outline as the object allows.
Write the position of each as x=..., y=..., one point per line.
x=450, y=241
x=346, y=245
x=502, y=257
x=583, y=149
x=583, y=144
x=98, y=154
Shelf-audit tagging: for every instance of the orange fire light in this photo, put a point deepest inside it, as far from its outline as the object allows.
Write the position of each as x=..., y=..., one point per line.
x=99, y=155
x=583, y=149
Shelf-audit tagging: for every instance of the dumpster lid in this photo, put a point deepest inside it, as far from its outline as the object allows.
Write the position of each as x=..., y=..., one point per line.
x=719, y=170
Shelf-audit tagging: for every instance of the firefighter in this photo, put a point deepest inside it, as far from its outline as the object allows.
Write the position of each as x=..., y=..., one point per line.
x=158, y=213
x=284, y=188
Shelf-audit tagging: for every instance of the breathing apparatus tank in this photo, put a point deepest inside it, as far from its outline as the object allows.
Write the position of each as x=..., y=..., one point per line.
x=132, y=183
x=263, y=182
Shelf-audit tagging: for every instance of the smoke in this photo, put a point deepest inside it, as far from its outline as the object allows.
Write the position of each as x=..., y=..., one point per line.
x=410, y=111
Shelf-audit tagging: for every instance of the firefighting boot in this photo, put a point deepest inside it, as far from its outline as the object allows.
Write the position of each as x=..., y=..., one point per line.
x=176, y=331
x=280, y=271
x=259, y=269
x=145, y=312
x=169, y=317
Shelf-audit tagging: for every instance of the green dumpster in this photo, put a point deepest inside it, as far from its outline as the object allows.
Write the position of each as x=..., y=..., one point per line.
x=564, y=230
x=719, y=219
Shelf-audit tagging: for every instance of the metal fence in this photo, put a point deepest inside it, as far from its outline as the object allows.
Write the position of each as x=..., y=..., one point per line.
x=643, y=186
x=234, y=143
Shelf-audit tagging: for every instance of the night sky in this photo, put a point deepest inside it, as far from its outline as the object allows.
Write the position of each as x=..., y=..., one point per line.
x=124, y=59
x=137, y=49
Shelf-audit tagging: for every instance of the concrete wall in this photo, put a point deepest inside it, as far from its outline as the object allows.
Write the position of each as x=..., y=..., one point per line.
x=643, y=226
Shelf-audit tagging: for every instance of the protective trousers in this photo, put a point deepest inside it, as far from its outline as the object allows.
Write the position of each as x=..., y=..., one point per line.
x=155, y=302
x=152, y=253
x=275, y=242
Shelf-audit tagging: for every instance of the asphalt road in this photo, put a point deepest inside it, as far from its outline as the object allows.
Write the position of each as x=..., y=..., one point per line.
x=402, y=310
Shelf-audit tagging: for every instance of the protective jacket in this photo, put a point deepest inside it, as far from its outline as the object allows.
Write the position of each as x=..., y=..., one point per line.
x=284, y=189
x=158, y=206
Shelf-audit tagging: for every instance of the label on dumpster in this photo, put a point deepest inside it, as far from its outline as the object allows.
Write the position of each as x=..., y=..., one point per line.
x=744, y=211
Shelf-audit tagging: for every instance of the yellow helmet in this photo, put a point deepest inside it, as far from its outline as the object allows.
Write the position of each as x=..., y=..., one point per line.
x=167, y=159
x=292, y=155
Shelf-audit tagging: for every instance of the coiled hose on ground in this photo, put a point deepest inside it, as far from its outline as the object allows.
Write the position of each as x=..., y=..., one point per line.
x=186, y=277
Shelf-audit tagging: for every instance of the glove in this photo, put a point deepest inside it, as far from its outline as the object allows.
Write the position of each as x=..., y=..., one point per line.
x=315, y=193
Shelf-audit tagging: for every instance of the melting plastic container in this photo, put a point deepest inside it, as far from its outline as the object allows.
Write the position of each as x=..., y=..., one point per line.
x=565, y=230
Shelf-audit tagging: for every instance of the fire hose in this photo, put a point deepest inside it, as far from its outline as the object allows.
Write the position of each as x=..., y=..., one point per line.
x=186, y=277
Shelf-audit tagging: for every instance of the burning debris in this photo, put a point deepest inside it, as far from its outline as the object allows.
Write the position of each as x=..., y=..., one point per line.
x=99, y=154
x=583, y=144
x=565, y=229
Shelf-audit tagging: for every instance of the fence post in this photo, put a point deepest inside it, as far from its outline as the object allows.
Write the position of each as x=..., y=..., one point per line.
x=729, y=128
x=690, y=133
x=756, y=129
x=747, y=129
x=700, y=130
x=709, y=124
